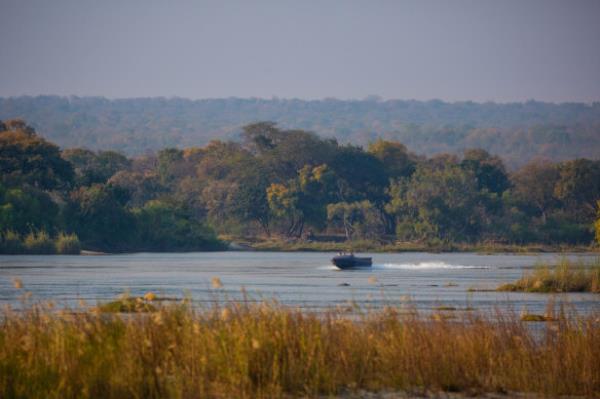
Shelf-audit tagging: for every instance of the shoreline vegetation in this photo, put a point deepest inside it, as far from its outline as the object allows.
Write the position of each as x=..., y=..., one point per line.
x=274, y=244
x=564, y=276
x=41, y=243
x=292, y=184
x=263, y=350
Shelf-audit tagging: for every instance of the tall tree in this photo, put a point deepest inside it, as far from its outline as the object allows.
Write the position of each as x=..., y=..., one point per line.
x=579, y=187
x=395, y=158
x=439, y=202
x=489, y=170
x=98, y=215
x=93, y=167
x=26, y=158
x=534, y=187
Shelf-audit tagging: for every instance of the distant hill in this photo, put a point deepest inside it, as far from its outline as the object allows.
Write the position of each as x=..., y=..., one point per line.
x=515, y=131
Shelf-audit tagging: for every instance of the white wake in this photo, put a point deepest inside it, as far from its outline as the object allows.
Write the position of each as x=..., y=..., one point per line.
x=424, y=266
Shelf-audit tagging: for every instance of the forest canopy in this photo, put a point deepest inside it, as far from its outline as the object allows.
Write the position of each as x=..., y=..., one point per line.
x=517, y=132
x=287, y=183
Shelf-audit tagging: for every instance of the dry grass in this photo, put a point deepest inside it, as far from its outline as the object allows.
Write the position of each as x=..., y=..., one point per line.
x=244, y=350
x=536, y=317
x=566, y=276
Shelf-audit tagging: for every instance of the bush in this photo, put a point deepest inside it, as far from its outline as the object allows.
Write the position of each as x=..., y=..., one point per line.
x=39, y=243
x=10, y=243
x=566, y=276
x=68, y=244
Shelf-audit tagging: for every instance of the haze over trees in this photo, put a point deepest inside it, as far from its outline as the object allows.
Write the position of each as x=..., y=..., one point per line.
x=286, y=183
x=517, y=132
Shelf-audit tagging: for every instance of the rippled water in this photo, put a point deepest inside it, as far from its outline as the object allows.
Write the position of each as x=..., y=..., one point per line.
x=305, y=279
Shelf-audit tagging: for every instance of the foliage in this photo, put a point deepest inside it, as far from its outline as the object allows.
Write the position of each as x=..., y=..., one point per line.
x=488, y=170
x=293, y=184
x=358, y=219
x=164, y=226
x=394, y=156
x=10, y=243
x=534, y=187
x=68, y=244
x=25, y=208
x=93, y=167
x=517, y=132
x=140, y=186
x=579, y=187
x=441, y=202
x=565, y=276
x=26, y=158
x=98, y=216
x=39, y=243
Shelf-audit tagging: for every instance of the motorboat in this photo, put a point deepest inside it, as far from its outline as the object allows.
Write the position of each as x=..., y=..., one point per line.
x=349, y=261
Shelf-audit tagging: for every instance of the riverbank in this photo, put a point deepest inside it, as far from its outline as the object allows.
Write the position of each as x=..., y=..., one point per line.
x=239, y=349
x=296, y=245
x=42, y=244
x=563, y=276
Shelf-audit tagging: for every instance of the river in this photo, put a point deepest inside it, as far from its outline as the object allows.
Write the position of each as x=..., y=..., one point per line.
x=305, y=279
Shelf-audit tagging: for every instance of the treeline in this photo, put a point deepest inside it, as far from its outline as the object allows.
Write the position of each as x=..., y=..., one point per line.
x=287, y=183
x=50, y=201
x=517, y=132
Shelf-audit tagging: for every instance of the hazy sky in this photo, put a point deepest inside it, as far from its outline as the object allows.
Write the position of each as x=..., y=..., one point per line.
x=452, y=50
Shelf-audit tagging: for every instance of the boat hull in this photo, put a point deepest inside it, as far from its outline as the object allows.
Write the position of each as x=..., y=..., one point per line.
x=351, y=262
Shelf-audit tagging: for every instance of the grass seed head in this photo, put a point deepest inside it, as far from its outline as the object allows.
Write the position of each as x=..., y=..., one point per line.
x=149, y=296
x=216, y=283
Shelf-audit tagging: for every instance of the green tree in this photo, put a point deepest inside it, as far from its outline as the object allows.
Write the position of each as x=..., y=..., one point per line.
x=26, y=209
x=438, y=202
x=99, y=217
x=26, y=158
x=261, y=137
x=93, y=167
x=395, y=158
x=170, y=161
x=357, y=219
x=489, y=170
x=141, y=187
x=294, y=150
x=578, y=187
x=165, y=226
x=249, y=202
x=534, y=187
x=283, y=202
x=360, y=174
x=303, y=200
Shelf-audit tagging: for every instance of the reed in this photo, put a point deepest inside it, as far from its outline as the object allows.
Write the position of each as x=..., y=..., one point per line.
x=39, y=243
x=246, y=350
x=10, y=243
x=565, y=276
x=68, y=244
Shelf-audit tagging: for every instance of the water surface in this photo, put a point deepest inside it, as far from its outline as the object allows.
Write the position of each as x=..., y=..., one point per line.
x=304, y=279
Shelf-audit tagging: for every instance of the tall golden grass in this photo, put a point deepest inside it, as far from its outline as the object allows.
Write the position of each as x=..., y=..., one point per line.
x=564, y=276
x=245, y=350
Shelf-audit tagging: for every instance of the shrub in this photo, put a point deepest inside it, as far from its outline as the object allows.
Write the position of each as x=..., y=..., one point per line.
x=562, y=277
x=10, y=243
x=39, y=243
x=68, y=244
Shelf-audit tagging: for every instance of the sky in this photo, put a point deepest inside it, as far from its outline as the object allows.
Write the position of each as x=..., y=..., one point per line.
x=477, y=50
